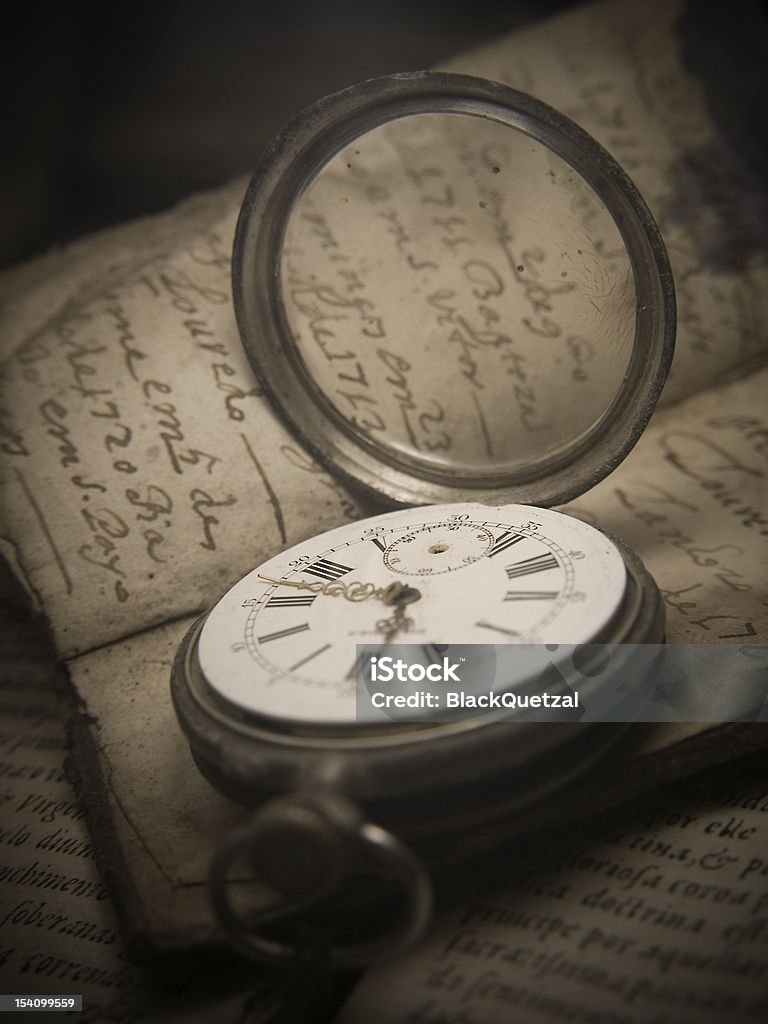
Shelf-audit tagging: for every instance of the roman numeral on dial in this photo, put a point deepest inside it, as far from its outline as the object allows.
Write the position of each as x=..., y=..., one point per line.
x=504, y=541
x=531, y=595
x=281, y=633
x=530, y=565
x=328, y=570
x=300, y=601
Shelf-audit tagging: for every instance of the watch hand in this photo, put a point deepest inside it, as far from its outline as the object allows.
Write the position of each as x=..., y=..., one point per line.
x=401, y=597
x=394, y=624
x=394, y=594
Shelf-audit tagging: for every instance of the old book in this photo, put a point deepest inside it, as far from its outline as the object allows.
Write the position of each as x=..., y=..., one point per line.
x=652, y=912
x=143, y=472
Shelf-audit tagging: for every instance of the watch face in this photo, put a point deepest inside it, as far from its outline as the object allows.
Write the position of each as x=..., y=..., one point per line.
x=282, y=642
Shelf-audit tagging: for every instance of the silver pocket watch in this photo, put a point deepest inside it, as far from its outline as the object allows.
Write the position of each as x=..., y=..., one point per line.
x=458, y=302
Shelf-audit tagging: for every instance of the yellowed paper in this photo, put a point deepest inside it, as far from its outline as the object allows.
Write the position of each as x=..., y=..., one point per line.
x=617, y=70
x=58, y=930
x=653, y=913
x=143, y=472
x=691, y=499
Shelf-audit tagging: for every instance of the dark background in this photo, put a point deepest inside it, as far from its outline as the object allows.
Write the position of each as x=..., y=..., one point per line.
x=114, y=109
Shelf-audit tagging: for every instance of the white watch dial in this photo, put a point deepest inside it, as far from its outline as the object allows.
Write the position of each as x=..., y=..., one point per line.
x=484, y=575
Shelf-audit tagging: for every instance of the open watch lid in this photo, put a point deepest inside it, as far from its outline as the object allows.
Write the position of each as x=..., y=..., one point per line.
x=451, y=292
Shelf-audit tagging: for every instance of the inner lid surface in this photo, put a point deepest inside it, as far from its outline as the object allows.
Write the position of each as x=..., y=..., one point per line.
x=459, y=294
x=458, y=309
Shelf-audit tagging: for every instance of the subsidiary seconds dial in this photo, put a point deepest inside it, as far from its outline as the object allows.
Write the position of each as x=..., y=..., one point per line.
x=439, y=547
x=283, y=641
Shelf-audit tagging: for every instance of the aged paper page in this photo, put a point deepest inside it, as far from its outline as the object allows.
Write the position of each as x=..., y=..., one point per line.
x=691, y=500
x=143, y=472
x=654, y=914
x=618, y=70
x=58, y=930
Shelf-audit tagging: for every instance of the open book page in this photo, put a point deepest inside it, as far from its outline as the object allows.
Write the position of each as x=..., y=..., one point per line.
x=653, y=913
x=58, y=926
x=57, y=920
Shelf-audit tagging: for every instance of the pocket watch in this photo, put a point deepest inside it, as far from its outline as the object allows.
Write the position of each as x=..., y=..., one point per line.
x=458, y=302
